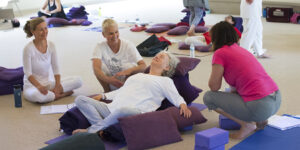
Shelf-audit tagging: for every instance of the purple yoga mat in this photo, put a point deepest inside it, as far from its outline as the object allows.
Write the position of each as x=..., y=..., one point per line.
x=199, y=106
x=108, y=145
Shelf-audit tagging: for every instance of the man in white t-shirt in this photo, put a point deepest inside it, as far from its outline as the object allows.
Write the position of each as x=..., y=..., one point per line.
x=115, y=59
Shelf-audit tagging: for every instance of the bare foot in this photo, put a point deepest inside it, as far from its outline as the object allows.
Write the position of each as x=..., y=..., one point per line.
x=264, y=55
x=63, y=95
x=261, y=125
x=191, y=33
x=245, y=130
x=101, y=133
x=79, y=131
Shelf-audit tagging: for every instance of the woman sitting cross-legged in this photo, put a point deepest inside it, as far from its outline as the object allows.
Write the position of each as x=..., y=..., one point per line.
x=141, y=93
x=254, y=96
x=40, y=61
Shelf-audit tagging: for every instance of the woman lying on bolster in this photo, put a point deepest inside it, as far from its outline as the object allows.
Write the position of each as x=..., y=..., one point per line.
x=141, y=93
x=254, y=96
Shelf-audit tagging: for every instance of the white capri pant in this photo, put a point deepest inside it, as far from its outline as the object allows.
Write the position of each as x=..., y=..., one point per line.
x=32, y=94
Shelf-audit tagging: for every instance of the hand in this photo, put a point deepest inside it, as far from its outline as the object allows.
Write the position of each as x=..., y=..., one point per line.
x=43, y=89
x=185, y=111
x=47, y=11
x=98, y=97
x=249, y=1
x=58, y=89
x=124, y=73
x=115, y=82
x=79, y=131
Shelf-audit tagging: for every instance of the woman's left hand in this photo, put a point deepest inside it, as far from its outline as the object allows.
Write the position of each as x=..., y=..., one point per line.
x=185, y=111
x=58, y=89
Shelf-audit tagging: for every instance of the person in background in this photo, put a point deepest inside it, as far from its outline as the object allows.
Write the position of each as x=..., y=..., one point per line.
x=115, y=59
x=52, y=8
x=251, y=12
x=39, y=63
x=196, y=8
x=254, y=96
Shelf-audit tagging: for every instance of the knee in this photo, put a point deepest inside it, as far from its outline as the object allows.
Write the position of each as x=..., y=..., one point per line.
x=78, y=82
x=207, y=98
x=79, y=100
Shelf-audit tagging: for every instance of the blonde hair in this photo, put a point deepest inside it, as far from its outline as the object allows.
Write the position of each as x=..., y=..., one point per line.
x=108, y=23
x=173, y=62
x=31, y=26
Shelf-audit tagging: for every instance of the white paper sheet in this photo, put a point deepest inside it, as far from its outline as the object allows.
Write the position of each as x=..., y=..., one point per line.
x=283, y=122
x=54, y=109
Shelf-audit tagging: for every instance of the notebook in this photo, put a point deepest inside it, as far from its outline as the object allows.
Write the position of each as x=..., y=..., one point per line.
x=283, y=122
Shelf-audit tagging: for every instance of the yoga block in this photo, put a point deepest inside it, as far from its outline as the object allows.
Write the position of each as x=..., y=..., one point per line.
x=188, y=128
x=211, y=138
x=222, y=147
x=228, y=124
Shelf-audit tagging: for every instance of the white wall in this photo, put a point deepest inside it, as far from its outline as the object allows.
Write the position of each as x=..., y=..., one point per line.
x=37, y=4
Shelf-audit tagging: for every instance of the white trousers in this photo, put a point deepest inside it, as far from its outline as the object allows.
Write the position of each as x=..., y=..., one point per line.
x=252, y=35
x=31, y=93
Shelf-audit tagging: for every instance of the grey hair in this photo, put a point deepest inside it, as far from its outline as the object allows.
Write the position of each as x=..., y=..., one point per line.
x=173, y=62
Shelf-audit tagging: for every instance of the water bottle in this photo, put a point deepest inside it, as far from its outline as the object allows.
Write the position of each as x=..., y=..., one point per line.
x=17, y=95
x=192, y=51
x=99, y=12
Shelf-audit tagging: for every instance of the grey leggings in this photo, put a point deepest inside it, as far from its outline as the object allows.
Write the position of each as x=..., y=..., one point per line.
x=98, y=114
x=195, y=16
x=232, y=103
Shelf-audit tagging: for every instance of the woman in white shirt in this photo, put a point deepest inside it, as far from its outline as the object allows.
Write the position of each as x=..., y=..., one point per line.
x=140, y=93
x=39, y=61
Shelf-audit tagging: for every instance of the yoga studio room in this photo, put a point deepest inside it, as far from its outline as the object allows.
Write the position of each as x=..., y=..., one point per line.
x=149, y=74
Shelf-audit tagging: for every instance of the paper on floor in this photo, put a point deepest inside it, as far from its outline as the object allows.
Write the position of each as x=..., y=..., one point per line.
x=283, y=122
x=54, y=109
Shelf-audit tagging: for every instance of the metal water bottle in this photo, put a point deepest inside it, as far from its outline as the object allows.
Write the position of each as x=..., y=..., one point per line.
x=17, y=95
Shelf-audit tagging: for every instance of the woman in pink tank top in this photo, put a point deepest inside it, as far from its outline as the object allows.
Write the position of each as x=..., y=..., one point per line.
x=254, y=96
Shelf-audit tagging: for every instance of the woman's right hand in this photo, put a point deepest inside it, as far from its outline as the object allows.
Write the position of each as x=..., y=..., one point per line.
x=43, y=89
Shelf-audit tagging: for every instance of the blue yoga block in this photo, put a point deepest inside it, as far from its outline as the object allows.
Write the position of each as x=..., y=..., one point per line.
x=228, y=124
x=222, y=147
x=188, y=128
x=211, y=138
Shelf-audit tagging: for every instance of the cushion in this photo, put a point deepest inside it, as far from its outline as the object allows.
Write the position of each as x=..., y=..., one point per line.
x=73, y=119
x=179, y=30
x=201, y=29
x=79, y=141
x=182, y=122
x=11, y=74
x=60, y=21
x=170, y=25
x=201, y=48
x=7, y=87
x=113, y=133
x=149, y=130
x=185, y=65
x=157, y=29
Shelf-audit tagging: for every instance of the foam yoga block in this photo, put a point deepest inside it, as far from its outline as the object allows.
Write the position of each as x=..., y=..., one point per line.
x=211, y=138
x=228, y=124
x=188, y=128
x=204, y=148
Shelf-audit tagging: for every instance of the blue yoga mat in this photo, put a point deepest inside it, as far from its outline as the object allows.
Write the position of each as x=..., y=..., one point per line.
x=271, y=139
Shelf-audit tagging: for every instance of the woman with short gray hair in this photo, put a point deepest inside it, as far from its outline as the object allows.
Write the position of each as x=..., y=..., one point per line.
x=141, y=93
